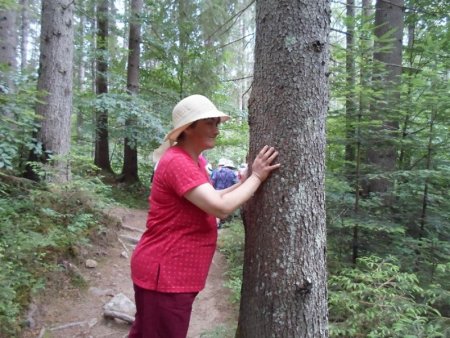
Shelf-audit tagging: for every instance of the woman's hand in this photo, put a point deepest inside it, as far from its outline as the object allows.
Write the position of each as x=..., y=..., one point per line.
x=262, y=165
x=222, y=203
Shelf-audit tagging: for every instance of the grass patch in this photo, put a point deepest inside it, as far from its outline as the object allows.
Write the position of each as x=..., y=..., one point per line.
x=221, y=331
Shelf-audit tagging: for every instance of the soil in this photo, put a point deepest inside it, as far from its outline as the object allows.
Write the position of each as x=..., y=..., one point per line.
x=66, y=311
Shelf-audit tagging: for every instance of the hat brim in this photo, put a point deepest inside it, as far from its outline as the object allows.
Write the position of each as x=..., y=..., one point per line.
x=175, y=132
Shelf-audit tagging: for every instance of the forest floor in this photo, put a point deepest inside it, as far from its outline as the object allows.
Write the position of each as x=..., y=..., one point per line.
x=64, y=310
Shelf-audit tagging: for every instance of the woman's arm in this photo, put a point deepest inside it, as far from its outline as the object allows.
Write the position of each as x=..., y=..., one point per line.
x=222, y=203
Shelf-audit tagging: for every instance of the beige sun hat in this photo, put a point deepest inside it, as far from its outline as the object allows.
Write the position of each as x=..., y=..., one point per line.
x=187, y=111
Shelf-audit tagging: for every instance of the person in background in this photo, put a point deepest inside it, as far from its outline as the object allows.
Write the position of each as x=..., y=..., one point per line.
x=224, y=176
x=242, y=171
x=170, y=263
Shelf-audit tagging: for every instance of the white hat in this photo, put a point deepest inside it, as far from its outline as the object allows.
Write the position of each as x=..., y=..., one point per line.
x=229, y=164
x=187, y=111
x=222, y=161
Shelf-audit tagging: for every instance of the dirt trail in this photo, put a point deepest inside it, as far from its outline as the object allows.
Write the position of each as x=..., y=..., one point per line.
x=70, y=312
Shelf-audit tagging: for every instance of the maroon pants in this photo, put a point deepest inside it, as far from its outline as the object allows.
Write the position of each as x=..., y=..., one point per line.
x=161, y=315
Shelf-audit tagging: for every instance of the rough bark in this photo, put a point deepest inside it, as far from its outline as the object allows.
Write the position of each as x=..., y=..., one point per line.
x=55, y=83
x=130, y=163
x=8, y=45
x=101, y=157
x=284, y=291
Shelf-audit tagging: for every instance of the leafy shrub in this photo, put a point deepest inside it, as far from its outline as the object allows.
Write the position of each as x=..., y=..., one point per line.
x=38, y=227
x=375, y=299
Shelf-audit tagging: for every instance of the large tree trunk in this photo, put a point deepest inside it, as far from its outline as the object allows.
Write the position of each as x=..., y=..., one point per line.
x=284, y=292
x=55, y=84
x=101, y=157
x=130, y=163
x=382, y=153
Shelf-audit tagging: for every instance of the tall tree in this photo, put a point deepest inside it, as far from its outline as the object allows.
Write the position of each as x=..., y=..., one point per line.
x=350, y=100
x=24, y=31
x=80, y=55
x=8, y=52
x=284, y=291
x=382, y=154
x=130, y=161
x=358, y=110
x=55, y=84
x=101, y=157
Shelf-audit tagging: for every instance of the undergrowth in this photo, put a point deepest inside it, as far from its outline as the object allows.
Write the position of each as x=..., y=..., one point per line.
x=41, y=226
x=375, y=298
x=231, y=244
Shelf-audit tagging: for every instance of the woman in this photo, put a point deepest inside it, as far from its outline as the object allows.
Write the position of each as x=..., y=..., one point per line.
x=171, y=261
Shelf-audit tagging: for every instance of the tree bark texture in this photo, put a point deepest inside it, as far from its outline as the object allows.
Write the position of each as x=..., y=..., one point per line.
x=101, y=157
x=130, y=163
x=8, y=51
x=55, y=82
x=284, y=291
x=134, y=47
x=382, y=153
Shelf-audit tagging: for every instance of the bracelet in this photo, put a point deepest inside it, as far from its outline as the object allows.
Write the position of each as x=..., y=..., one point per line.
x=257, y=176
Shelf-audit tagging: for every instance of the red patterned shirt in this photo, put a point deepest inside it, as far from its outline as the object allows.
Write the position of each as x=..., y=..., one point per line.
x=175, y=252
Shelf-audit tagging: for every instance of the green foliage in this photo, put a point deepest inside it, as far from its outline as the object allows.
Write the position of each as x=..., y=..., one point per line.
x=411, y=220
x=232, y=142
x=39, y=226
x=18, y=124
x=231, y=244
x=376, y=299
x=132, y=196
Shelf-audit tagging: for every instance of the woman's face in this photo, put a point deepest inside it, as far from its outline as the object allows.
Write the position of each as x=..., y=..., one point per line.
x=203, y=133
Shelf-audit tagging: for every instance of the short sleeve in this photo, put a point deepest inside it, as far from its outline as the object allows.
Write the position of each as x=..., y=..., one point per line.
x=184, y=174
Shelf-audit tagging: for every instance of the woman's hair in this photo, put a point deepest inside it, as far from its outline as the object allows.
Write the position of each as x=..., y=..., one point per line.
x=183, y=135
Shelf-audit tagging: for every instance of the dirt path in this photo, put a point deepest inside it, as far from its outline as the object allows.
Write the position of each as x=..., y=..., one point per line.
x=71, y=312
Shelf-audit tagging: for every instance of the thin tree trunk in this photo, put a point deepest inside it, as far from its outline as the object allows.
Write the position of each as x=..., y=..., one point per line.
x=423, y=216
x=404, y=153
x=8, y=52
x=101, y=157
x=130, y=164
x=350, y=99
x=24, y=34
x=364, y=78
x=183, y=41
x=284, y=291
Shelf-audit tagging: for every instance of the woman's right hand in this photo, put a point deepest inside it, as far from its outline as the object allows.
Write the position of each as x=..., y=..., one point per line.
x=262, y=165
